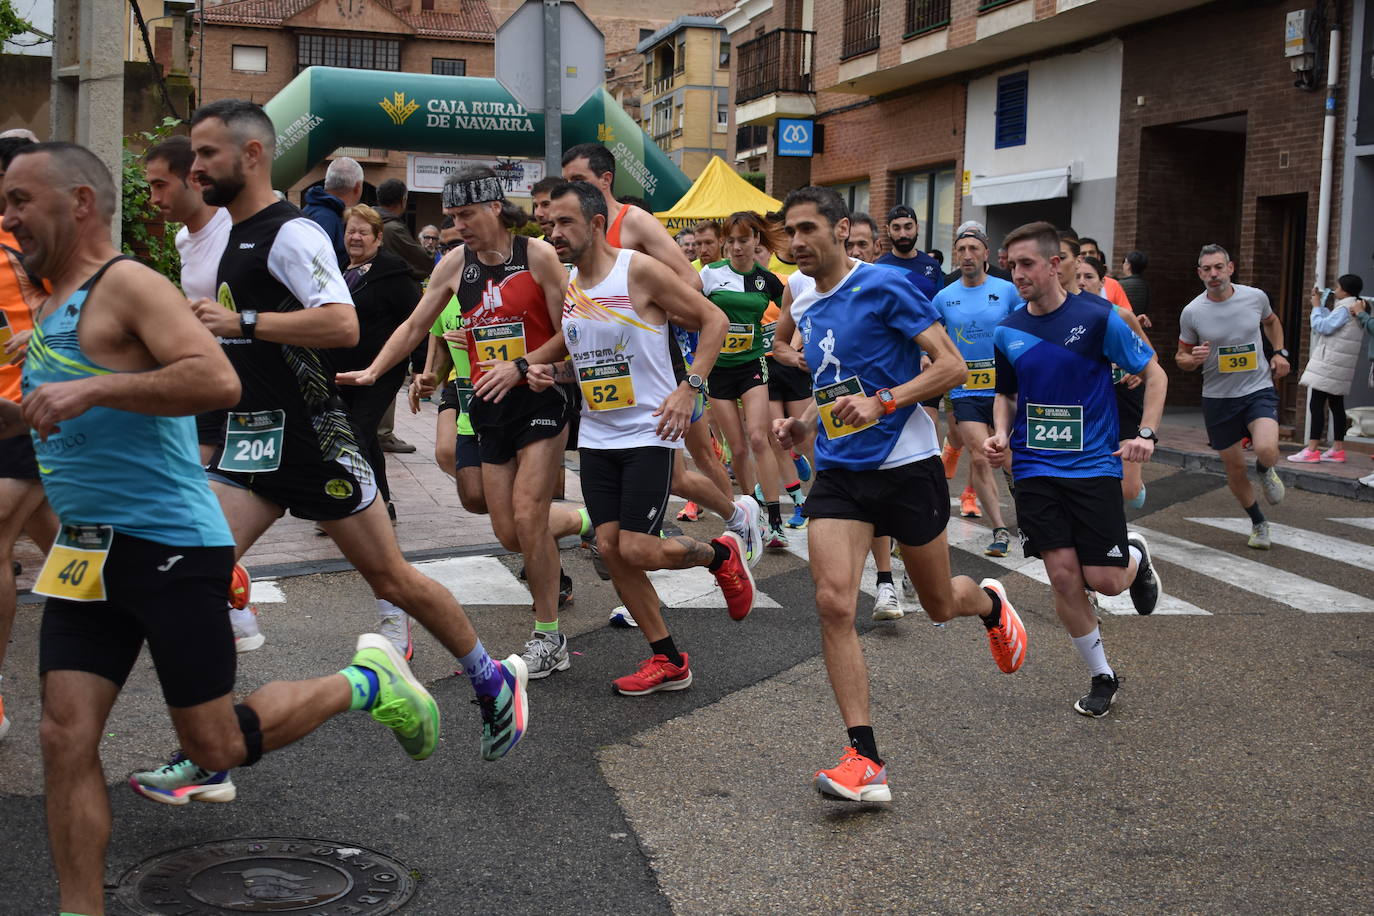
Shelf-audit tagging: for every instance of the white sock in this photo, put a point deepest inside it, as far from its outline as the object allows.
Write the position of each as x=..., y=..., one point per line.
x=1094, y=656
x=1136, y=555
x=386, y=608
x=738, y=519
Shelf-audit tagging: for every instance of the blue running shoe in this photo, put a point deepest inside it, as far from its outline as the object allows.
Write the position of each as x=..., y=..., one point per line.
x=798, y=520
x=505, y=717
x=1139, y=501
x=181, y=781
x=803, y=466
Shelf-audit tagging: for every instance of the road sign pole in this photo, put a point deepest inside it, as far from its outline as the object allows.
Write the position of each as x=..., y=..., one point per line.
x=553, y=89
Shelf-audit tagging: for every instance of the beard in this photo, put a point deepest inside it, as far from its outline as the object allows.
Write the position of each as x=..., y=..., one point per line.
x=221, y=192
x=904, y=245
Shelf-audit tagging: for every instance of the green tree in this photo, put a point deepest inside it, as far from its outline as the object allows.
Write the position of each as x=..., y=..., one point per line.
x=138, y=215
x=11, y=23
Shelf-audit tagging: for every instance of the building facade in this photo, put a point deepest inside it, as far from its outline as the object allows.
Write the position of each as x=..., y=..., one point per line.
x=685, y=103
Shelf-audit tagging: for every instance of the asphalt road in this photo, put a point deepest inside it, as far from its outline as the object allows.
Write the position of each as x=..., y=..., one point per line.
x=1231, y=777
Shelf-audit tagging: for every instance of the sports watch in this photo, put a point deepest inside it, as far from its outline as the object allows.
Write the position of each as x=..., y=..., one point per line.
x=888, y=399
x=522, y=366
x=248, y=324
x=1282, y=351
x=697, y=382
x=1147, y=432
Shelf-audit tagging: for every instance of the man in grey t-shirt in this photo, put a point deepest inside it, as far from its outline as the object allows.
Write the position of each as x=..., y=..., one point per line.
x=1219, y=333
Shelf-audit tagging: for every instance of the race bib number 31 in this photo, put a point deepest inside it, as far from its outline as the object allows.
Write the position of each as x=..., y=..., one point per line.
x=607, y=386
x=1055, y=428
x=1237, y=359
x=75, y=567
x=500, y=341
x=982, y=374
x=253, y=441
x=834, y=427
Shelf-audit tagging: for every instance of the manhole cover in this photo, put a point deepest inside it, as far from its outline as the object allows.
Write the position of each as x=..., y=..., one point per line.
x=267, y=875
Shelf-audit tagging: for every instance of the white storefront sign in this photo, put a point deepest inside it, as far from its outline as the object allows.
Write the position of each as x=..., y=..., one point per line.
x=427, y=173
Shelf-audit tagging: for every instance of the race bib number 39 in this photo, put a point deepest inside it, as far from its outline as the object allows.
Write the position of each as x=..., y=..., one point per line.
x=500, y=341
x=75, y=567
x=1055, y=428
x=982, y=374
x=834, y=427
x=739, y=338
x=607, y=386
x=1237, y=359
x=253, y=441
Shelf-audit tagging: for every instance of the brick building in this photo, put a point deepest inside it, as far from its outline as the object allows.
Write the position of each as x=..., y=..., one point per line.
x=685, y=104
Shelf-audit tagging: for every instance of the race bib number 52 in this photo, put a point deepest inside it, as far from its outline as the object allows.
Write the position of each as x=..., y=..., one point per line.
x=607, y=386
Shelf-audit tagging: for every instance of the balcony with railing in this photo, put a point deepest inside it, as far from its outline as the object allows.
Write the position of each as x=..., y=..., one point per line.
x=777, y=61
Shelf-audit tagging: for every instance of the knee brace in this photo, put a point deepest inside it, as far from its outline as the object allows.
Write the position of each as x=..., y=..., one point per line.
x=252, y=733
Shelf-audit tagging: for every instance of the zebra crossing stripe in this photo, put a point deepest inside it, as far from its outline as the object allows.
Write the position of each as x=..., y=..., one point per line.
x=267, y=591
x=972, y=538
x=1366, y=523
x=1277, y=585
x=1298, y=538
x=471, y=578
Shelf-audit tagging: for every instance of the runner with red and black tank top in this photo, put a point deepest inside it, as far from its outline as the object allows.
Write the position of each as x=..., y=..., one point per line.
x=510, y=290
x=289, y=443
x=635, y=411
x=639, y=230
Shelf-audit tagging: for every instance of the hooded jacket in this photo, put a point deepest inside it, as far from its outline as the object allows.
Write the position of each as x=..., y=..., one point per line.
x=327, y=210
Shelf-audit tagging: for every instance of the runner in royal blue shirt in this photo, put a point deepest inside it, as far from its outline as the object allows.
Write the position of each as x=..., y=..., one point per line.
x=1055, y=411
x=877, y=459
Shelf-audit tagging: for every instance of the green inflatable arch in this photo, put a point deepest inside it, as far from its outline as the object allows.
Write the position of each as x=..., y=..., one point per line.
x=325, y=108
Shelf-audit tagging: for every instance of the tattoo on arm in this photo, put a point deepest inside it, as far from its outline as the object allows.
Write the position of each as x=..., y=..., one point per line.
x=695, y=553
x=563, y=372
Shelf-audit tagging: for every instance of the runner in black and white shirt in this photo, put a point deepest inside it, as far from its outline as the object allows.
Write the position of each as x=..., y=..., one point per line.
x=289, y=444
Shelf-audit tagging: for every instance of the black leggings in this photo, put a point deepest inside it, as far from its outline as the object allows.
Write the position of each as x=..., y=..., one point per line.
x=1318, y=403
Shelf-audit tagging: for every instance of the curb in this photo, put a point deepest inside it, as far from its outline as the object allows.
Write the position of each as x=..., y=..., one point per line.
x=1301, y=480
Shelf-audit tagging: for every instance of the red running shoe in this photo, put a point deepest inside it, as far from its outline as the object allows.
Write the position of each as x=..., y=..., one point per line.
x=690, y=512
x=655, y=674
x=240, y=588
x=856, y=778
x=734, y=577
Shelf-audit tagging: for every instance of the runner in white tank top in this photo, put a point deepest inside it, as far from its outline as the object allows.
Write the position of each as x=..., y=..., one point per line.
x=634, y=413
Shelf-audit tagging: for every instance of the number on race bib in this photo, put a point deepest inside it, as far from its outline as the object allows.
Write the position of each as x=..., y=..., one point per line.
x=253, y=442
x=607, y=386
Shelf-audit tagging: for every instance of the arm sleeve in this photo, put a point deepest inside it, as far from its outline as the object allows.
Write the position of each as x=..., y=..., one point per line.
x=302, y=260
x=1268, y=309
x=1121, y=345
x=1186, y=332
x=907, y=309
x=1006, y=372
x=772, y=286
x=1326, y=321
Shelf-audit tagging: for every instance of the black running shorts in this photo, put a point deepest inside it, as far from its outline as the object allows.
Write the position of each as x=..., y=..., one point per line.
x=727, y=383
x=627, y=485
x=520, y=418
x=17, y=461
x=466, y=453
x=1085, y=513
x=1130, y=407
x=1228, y=419
x=210, y=427
x=909, y=503
x=787, y=383
x=973, y=410
x=321, y=491
x=172, y=597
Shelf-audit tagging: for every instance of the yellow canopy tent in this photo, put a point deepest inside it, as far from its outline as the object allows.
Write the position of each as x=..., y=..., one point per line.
x=715, y=195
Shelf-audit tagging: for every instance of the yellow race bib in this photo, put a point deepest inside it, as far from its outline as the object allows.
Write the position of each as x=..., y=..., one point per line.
x=982, y=374
x=75, y=567
x=500, y=341
x=607, y=386
x=1237, y=359
x=739, y=338
x=834, y=427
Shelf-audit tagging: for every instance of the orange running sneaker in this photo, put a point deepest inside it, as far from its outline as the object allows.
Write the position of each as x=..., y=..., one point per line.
x=856, y=778
x=950, y=458
x=4, y=723
x=734, y=577
x=1007, y=640
x=655, y=673
x=690, y=512
x=968, y=504
x=240, y=587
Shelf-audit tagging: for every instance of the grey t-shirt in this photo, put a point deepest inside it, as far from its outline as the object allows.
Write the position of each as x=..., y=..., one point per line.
x=1236, y=366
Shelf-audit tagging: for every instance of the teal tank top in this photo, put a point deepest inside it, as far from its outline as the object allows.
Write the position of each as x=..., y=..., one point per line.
x=137, y=473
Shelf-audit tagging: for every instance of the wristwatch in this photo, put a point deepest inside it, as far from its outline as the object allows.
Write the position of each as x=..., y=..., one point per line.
x=1282, y=351
x=888, y=399
x=248, y=324
x=1148, y=433
x=696, y=381
x=522, y=366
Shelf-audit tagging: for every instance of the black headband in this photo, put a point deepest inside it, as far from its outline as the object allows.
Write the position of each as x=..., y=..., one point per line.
x=462, y=192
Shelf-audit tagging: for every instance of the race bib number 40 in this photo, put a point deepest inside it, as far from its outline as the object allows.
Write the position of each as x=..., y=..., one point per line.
x=739, y=338
x=1237, y=359
x=75, y=567
x=500, y=341
x=607, y=386
x=834, y=427
x=1055, y=428
x=253, y=442
x=982, y=374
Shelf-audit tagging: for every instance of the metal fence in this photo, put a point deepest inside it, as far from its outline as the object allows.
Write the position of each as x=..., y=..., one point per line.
x=776, y=61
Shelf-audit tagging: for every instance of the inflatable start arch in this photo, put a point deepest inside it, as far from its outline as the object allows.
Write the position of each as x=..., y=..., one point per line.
x=325, y=108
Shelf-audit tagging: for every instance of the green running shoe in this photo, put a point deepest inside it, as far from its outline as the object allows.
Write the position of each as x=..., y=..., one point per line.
x=403, y=704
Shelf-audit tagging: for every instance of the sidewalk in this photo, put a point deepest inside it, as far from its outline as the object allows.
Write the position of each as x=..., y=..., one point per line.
x=432, y=523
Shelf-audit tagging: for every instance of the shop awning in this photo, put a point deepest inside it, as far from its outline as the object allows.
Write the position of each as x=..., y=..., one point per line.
x=1020, y=187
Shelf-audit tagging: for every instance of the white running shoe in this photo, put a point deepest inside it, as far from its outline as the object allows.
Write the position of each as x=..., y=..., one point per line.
x=247, y=634
x=394, y=626
x=887, y=606
x=546, y=653
x=752, y=531
x=621, y=617
x=1272, y=487
x=908, y=588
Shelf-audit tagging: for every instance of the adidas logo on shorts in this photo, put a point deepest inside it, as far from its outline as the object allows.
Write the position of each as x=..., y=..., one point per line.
x=1115, y=552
